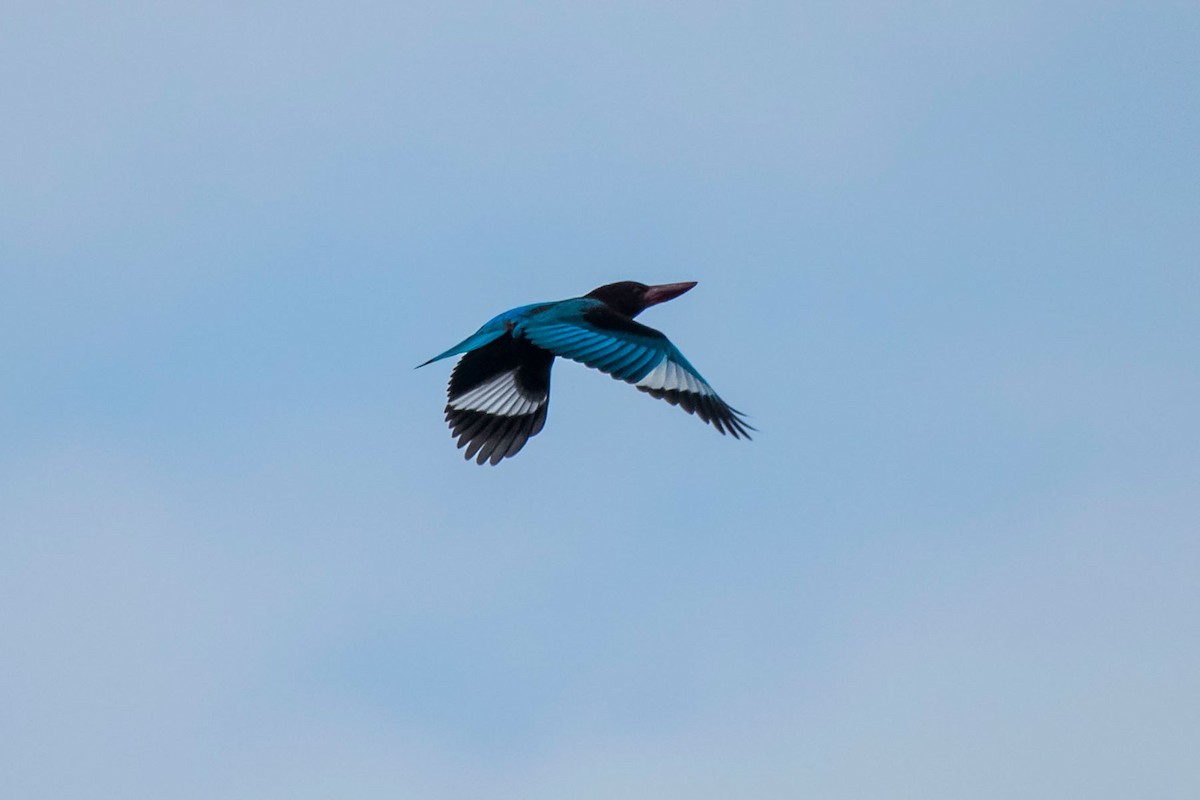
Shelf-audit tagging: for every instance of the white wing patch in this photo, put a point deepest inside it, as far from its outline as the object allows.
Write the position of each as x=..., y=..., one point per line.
x=670, y=376
x=500, y=396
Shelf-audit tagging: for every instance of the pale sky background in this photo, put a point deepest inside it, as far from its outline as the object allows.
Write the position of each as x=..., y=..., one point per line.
x=949, y=262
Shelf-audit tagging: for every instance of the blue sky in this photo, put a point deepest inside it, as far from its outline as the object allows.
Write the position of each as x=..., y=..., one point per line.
x=948, y=262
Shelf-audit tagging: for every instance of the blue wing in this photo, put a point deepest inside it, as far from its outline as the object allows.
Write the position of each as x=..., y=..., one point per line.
x=590, y=332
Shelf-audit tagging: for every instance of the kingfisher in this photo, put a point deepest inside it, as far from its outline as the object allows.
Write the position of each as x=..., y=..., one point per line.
x=500, y=389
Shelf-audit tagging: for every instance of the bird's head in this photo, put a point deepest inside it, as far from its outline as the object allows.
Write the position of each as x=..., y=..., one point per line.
x=632, y=298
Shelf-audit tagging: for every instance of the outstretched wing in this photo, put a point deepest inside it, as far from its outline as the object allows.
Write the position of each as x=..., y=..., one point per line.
x=594, y=334
x=498, y=397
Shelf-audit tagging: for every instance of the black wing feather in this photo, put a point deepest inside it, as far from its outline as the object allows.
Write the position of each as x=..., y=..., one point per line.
x=489, y=436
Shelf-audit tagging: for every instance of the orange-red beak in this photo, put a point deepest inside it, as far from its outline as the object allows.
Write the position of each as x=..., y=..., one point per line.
x=666, y=291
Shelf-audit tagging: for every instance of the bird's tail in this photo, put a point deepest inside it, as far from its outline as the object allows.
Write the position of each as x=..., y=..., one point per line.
x=473, y=342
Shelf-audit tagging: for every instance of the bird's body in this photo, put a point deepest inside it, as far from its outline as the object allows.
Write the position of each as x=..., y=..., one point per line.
x=500, y=388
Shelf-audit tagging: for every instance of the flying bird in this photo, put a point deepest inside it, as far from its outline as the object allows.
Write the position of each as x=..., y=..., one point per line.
x=500, y=388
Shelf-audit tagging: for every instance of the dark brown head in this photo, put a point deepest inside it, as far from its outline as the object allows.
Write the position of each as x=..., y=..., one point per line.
x=632, y=298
